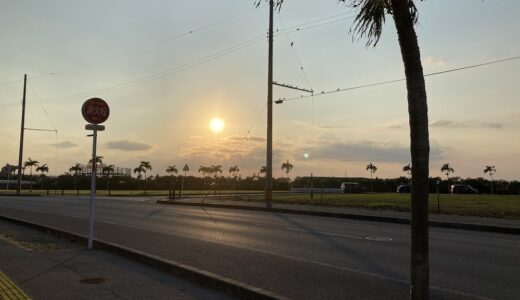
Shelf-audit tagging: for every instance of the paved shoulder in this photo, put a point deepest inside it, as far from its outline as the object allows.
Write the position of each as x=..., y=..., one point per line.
x=47, y=267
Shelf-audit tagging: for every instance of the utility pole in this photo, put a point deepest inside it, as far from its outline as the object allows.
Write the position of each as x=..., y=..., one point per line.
x=22, y=129
x=269, y=163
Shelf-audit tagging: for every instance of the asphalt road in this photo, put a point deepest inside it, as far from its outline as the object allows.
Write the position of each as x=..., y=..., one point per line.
x=300, y=257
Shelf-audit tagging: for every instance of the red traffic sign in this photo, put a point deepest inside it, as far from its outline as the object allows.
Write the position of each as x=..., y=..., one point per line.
x=95, y=110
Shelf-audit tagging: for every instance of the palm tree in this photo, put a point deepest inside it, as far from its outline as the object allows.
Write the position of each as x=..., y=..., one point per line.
x=145, y=166
x=234, y=170
x=263, y=170
x=43, y=169
x=447, y=170
x=139, y=169
x=76, y=169
x=491, y=170
x=204, y=170
x=408, y=170
x=185, y=169
x=107, y=170
x=216, y=169
x=30, y=163
x=287, y=166
x=99, y=160
x=171, y=170
x=372, y=169
x=369, y=23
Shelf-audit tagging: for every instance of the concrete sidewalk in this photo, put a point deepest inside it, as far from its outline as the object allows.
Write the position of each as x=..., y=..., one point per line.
x=44, y=266
x=438, y=220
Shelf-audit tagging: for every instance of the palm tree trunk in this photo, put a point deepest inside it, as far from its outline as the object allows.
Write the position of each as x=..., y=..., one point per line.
x=419, y=148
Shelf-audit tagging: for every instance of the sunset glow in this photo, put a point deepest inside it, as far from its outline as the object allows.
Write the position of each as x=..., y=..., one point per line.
x=216, y=125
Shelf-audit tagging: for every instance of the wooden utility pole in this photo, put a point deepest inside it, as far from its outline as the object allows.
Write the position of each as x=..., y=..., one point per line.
x=22, y=129
x=269, y=163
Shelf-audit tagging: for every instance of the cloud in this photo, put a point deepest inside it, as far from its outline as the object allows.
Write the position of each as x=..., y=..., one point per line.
x=66, y=145
x=368, y=151
x=493, y=125
x=435, y=61
x=446, y=123
x=455, y=124
x=396, y=126
x=127, y=145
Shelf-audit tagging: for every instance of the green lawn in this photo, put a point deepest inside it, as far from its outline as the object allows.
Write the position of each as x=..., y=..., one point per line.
x=497, y=206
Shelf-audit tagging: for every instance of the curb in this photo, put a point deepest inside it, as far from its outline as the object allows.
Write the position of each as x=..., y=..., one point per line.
x=432, y=223
x=199, y=276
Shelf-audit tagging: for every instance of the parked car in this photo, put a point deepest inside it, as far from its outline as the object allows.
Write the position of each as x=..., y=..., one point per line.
x=352, y=187
x=405, y=188
x=462, y=189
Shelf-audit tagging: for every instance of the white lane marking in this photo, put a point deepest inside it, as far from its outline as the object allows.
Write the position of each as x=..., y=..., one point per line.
x=375, y=239
x=365, y=273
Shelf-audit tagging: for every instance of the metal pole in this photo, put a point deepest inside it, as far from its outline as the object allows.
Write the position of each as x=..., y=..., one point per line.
x=438, y=201
x=269, y=163
x=22, y=129
x=92, y=191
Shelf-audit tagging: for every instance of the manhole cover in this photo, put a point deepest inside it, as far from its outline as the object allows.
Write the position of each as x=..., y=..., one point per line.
x=378, y=239
x=93, y=280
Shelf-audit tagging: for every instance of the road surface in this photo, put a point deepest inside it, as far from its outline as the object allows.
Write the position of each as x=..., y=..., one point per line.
x=296, y=256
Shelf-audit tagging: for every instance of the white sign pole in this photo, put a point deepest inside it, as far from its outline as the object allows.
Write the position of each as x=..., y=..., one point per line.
x=92, y=190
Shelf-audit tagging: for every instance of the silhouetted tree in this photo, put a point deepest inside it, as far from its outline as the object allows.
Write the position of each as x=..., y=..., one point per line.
x=372, y=169
x=30, y=163
x=491, y=170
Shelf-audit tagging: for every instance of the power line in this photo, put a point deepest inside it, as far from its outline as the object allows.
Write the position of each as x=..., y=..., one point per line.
x=397, y=80
x=149, y=45
x=180, y=68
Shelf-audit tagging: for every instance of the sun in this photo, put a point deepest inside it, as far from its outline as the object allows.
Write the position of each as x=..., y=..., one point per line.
x=216, y=125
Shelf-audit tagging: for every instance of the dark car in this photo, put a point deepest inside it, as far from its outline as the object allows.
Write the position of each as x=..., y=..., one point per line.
x=462, y=189
x=352, y=187
x=405, y=188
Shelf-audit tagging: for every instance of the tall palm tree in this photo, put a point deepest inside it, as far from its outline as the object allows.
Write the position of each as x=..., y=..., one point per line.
x=234, y=170
x=30, y=163
x=491, y=170
x=107, y=170
x=369, y=23
x=171, y=170
x=185, y=169
x=43, y=169
x=204, y=170
x=372, y=169
x=216, y=170
x=263, y=170
x=76, y=169
x=99, y=161
x=447, y=170
x=287, y=166
x=146, y=166
x=139, y=169
x=408, y=170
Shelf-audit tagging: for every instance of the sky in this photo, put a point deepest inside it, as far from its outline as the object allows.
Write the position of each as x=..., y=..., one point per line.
x=166, y=68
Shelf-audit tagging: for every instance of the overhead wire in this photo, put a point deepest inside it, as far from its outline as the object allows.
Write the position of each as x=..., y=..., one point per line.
x=179, y=68
x=148, y=45
x=339, y=90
